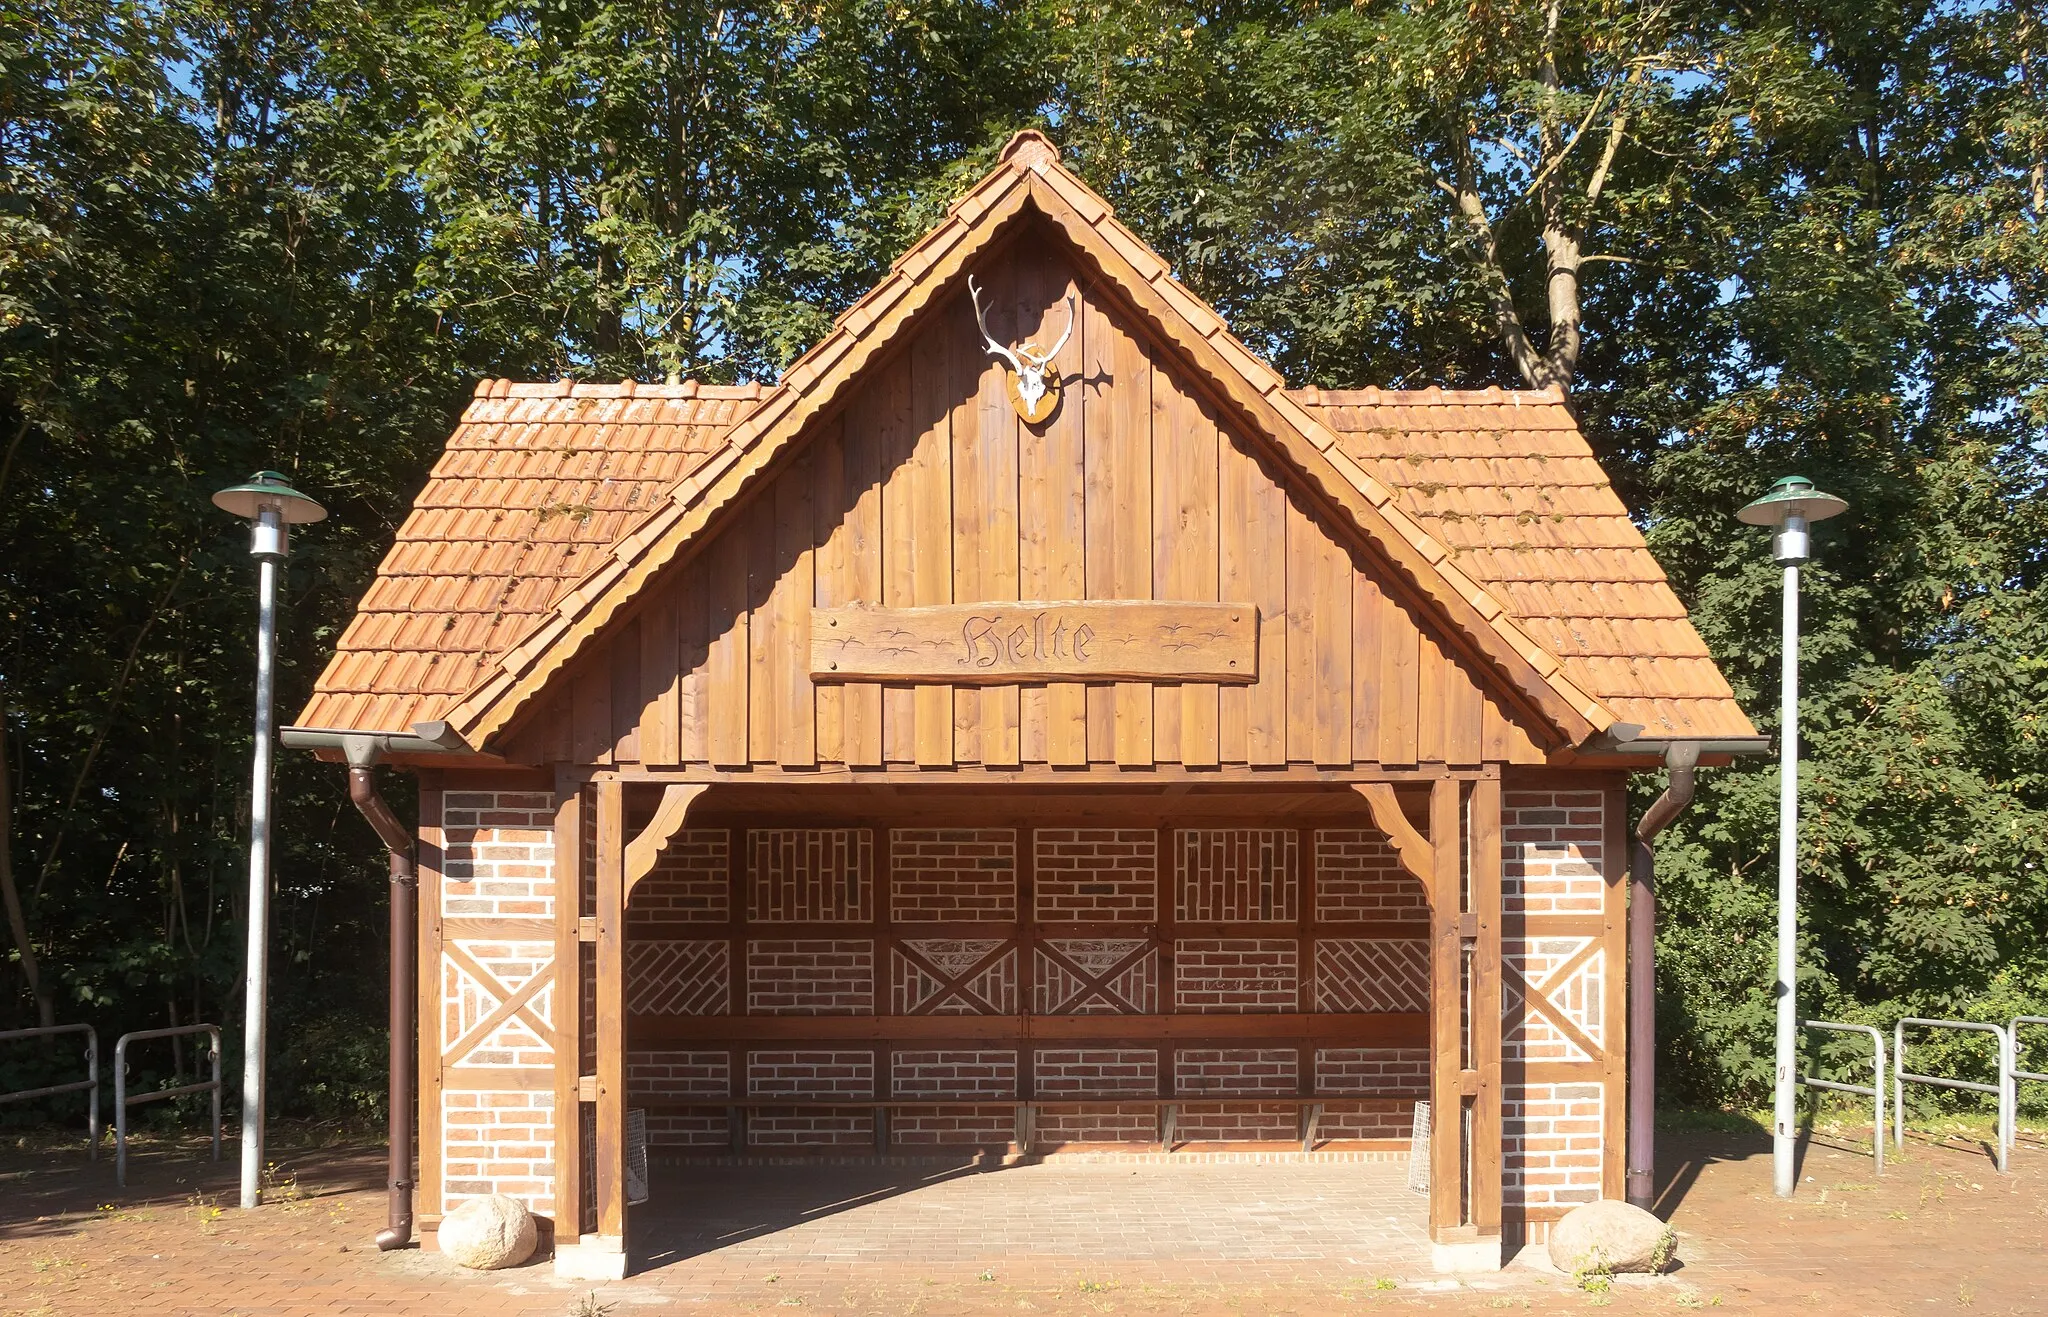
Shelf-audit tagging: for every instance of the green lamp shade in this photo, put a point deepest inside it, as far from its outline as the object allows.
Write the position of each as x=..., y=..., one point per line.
x=266, y=489
x=1792, y=496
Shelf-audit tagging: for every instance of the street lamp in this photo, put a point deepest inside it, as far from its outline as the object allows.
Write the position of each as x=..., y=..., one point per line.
x=1790, y=508
x=271, y=507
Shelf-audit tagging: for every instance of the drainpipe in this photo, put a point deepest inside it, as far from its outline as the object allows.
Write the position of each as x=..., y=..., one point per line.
x=1680, y=757
x=363, y=751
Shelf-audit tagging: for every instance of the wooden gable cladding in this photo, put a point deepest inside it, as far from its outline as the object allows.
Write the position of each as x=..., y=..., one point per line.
x=925, y=489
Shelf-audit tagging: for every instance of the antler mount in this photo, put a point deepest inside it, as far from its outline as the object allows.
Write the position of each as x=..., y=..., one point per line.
x=1034, y=380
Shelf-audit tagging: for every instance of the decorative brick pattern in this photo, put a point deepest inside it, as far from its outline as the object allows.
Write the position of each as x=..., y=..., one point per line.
x=1372, y=974
x=811, y=976
x=498, y=1143
x=1373, y=1072
x=1552, y=848
x=810, y=875
x=955, y=976
x=691, y=881
x=954, y=1074
x=675, y=1075
x=812, y=1074
x=1095, y=1072
x=1096, y=875
x=1550, y=1144
x=1570, y=974
x=497, y=854
x=1235, y=975
x=1358, y=876
x=952, y=874
x=468, y=1004
x=1236, y=875
x=678, y=978
x=1096, y=976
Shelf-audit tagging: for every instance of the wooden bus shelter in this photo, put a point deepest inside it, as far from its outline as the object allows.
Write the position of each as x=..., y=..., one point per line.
x=1029, y=725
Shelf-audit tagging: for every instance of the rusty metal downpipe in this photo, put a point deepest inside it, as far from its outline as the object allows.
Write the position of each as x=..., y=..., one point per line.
x=362, y=789
x=1681, y=759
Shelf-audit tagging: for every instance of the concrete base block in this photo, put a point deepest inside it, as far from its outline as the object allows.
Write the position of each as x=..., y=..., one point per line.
x=598, y=1257
x=1466, y=1256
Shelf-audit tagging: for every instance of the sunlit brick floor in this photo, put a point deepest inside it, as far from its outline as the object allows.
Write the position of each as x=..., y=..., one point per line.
x=1942, y=1232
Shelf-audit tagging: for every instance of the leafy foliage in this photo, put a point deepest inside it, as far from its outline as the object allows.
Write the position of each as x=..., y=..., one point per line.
x=1748, y=239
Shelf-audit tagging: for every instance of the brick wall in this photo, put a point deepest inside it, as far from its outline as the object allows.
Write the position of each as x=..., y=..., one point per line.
x=954, y=1074
x=1358, y=876
x=952, y=874
x=1392, y=1072
x=1096, y=875
x=811, y=976
x=1098, y=1072
x=496, y=874
x=810, y=875
x=678, y=977
x=692, y=879
x=1550, y=1137
x=1235, y=975
x=813, y=1074
x=1552, y=848
x=1236, y=875
x=674, y=1074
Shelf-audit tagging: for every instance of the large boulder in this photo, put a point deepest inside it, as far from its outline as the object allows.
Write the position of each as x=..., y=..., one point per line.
x=488, y=1233
x=1611, y=1236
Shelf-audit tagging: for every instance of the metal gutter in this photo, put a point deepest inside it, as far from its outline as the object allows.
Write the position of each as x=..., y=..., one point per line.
x=363, y=749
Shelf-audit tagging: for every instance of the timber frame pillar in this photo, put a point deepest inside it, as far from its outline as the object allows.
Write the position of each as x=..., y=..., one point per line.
x=1459, y=864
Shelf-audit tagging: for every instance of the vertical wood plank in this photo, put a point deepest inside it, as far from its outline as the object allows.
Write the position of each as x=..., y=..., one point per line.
x=1446, y=998
x=625, y=701
x=1398, y=643
x=1185, y=556
x=611, y=1008
x=796, y=705
x=726, y=698
x=1131, y=524
x=884, y=411
x=1000, y=433
x=865, y=444
x=1368, y=618
x=1332, y=608
x=1264, y=572
x=830, y=571
x=590, y=707
x=660, y=678
x=1464, y=713
x=934, y=401
x=1304, y=573
x=1052, y=526
x=693, y=663
x=1167, y=520
x=767, y=647
x=1432, y=681
x=1485, y=861
x=568, y=1012
x=1102, y=388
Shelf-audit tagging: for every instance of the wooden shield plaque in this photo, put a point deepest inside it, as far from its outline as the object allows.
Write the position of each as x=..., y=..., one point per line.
x=1058, y=640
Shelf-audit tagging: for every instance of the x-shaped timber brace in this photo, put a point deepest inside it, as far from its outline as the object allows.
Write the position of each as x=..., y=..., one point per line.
x=1458, y=863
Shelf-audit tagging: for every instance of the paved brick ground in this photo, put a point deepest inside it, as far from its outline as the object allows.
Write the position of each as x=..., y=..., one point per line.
x=1942, y=1233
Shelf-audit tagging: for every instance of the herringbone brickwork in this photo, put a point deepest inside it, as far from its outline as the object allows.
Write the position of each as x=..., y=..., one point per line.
x=1372, y=974
x=678, y=978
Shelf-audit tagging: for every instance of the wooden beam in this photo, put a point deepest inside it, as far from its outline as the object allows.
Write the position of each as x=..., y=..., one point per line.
x=1486, y=1006
x=611, y=1008
x=568, y=1010
x=1416, y=852
x=1391, y=1029
x=1447, y=1007
x=644, y=851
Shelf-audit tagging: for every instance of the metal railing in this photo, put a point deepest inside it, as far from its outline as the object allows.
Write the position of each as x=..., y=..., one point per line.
x=2014, y=1075
x=2002, y=1089
x=122, y=1101
x=1875, y=1091
x=90, y=1082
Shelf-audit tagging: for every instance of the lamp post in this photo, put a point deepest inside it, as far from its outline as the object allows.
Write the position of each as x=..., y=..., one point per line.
x=1790, y=508
x=271, y=507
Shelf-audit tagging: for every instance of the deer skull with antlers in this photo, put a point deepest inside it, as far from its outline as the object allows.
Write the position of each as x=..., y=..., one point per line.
x=1035, y=382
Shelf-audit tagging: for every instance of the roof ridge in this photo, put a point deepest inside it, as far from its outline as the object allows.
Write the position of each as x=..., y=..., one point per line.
x=1432, y=396
x=628, y=388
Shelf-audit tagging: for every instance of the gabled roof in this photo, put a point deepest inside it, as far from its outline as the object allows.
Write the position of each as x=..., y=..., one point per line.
x=487, y=660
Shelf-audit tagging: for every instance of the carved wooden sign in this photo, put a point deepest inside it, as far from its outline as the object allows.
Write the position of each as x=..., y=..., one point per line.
x=1059, y=640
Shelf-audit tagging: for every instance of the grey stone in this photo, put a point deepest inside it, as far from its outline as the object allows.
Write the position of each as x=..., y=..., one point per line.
x=488, y=1233
x=1612, y=1237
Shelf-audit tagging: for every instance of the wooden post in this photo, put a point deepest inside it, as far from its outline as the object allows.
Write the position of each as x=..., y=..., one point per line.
x=1486, y=1006
x=1446, y=998
x=568, y=1008
x=611, y=1013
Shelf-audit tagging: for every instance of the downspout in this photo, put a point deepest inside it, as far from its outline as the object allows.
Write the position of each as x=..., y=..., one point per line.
x=1680, y=757
x=363, y=751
